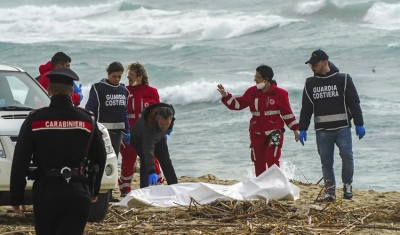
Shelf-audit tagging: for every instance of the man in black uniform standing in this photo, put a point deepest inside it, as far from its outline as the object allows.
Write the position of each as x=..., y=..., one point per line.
x=62, y=141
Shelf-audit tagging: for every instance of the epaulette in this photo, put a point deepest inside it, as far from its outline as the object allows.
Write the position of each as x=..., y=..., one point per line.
x=86, y=111
x=37, y=110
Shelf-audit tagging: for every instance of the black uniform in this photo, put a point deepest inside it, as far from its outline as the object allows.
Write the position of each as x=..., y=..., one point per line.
x=53, y=138
x=333, y=99
x=148, y=140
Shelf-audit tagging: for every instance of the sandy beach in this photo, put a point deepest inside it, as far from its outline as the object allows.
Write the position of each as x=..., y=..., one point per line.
x=370, y=212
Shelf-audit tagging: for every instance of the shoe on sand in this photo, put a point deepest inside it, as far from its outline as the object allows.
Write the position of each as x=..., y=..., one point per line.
x=347, y=191
x=328, y=198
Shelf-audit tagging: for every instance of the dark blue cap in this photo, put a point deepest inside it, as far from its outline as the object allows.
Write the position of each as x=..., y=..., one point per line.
x=62, y=76
x=317, y=56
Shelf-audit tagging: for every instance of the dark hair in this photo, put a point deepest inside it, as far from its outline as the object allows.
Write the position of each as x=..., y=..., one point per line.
x=59, y=89
x=60, y=58
x=165, y=112
x=115, y=66
x=267, y=73
x=139, y=70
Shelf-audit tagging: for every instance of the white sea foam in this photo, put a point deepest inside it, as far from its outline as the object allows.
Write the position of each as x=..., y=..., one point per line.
x=384, y=16
x=178, y=46
x=199, y=92
x=310, y=7
x=107, y=22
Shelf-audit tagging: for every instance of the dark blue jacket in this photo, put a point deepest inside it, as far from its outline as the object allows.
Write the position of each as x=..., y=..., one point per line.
x=109, y=104
x=333, y=99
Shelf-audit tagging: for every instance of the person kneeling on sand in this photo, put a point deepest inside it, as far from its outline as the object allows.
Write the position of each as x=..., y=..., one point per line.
x=148, y=139
x=141, y=95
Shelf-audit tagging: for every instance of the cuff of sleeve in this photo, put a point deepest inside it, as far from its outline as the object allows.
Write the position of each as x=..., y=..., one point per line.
x=359, y=123
x=226, y=97
x=152, y=171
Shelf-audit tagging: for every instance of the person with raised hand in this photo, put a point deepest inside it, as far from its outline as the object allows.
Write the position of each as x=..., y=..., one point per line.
x=270, y=109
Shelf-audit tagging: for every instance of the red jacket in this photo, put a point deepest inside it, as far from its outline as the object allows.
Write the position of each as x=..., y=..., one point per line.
x=270, y=110
x=140, y=96
x=44, y=69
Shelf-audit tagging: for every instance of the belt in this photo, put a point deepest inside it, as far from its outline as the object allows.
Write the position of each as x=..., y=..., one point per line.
x=65, y=172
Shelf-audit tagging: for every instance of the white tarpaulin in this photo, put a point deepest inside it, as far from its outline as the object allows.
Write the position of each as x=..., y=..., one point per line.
x=272, y=184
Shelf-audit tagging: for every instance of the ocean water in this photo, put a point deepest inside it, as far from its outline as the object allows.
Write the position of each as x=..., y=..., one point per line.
x=189, y=46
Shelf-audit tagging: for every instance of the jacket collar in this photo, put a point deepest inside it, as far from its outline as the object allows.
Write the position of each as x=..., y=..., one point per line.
x=61, y=101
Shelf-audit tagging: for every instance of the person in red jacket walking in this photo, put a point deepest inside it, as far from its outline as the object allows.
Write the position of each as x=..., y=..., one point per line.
x=270, y=109
x=59, y=60
x=141, y=96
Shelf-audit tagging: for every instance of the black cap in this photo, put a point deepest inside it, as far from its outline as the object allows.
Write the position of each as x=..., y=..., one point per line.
x=62, y=76
x=317, y=56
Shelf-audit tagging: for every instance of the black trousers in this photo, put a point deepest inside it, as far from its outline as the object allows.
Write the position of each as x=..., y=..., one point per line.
x=115, y=137
x=162, y=154
x=61, y=216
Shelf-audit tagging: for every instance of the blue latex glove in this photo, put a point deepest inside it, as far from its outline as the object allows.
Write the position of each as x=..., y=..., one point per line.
x=360, y=132
x=303, y=137
x=2, y=102
x=77, y=89
x=127, y=139
x=153, y=179
x=80, y=96
x=169, y=131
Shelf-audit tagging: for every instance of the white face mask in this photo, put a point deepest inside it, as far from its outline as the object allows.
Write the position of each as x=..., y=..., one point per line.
x=260, y=85
x=134, y=83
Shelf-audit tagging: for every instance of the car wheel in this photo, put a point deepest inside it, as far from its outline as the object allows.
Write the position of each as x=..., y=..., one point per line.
x=98, y=210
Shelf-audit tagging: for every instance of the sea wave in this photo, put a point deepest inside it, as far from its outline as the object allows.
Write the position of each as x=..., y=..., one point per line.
x=376, y=14
x=201, y=91
x=122, y=21
x=384, y=16
x=206, y=91
x=330, y=8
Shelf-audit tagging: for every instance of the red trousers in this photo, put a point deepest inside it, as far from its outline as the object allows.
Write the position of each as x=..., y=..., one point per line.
x=262, y=154
x=129, y=156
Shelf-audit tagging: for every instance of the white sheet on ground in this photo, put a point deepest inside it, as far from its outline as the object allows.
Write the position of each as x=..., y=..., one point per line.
x=272, y=184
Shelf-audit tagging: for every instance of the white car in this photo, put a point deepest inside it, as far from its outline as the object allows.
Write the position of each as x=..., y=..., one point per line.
x=19, y=94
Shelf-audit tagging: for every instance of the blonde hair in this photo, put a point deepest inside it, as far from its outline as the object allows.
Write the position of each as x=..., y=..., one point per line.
x=139, y=70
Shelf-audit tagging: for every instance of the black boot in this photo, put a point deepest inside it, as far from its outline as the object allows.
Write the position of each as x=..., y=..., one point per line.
x=347, y=191
x=328, y=198
x=112, y=198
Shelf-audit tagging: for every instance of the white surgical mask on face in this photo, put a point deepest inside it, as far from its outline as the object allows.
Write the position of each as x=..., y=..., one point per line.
x=134, y=83
x=260, y=85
